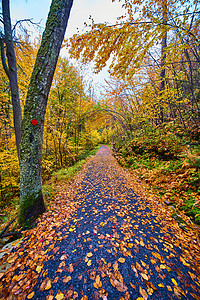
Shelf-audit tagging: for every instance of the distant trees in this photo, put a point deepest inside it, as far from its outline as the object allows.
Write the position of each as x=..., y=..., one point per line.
x=154, y=52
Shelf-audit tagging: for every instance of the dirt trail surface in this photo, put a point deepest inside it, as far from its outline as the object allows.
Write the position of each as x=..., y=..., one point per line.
x=101, y=240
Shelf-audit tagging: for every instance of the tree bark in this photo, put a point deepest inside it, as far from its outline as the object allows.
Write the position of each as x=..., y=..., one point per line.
x=163, y=57
x=31, y=198
x=12, y=71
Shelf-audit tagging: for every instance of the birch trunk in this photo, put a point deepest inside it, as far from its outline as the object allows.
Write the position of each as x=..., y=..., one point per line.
x=11, y=71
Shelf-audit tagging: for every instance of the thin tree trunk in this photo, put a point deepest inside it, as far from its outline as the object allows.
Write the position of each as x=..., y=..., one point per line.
x=163, y=58
x=31, y=198
x=12, y=71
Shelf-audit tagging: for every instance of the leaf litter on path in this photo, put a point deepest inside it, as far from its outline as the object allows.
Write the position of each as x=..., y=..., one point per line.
x=105, y=238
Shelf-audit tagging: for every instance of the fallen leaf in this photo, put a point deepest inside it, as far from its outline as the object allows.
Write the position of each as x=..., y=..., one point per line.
x=50, y=297
x=80, y=277
x=89, y=254
x=142, y=243
x=184, y=262
x=174, y=281
x=162, y=267
x=144, y=276
x=118, y=285
x=150, y=291
x=71, y=269
x=89, y=262
x=121, y=260
x=67, y=279
x=63, y=257
x=143, y=293
x=39, y=268
x=48, y=286
x=97, y=283
x=30, y=296
x=84, y=297
x=60, y=296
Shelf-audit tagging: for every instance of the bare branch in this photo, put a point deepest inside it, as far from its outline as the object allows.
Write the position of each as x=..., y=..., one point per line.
x=19, y=22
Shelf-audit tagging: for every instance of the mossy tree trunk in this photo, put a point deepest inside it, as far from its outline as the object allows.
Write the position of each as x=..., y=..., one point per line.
x=31, y=198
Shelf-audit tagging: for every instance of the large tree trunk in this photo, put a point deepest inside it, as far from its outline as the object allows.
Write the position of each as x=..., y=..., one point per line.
x=31, y=198
x=12, y=71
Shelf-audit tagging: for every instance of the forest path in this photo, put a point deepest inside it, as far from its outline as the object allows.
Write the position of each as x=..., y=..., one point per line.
x=114, y=245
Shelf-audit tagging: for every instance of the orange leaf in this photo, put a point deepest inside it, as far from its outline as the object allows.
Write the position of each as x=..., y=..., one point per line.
x=30, y=296
x=118, y=285
x=71, y=269
x=121, y=260
x=67, y=279
x=97, y=283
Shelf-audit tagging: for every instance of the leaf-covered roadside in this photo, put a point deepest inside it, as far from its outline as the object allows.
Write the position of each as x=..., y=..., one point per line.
x=102, y=240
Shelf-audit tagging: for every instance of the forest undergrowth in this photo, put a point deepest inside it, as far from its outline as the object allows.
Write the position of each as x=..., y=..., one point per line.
x=168, y=164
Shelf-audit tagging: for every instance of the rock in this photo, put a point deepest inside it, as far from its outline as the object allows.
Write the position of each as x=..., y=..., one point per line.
x=10, y=246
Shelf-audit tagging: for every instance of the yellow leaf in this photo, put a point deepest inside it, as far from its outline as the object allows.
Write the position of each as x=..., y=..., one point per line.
x=162, y=267
x=169, y=288
x=89, y=254
x=150, y=291
x=161, y=285
x=48, y=286
x=30, y=296
x=174, y=281
x=89, y=262
x=59, y=296
x=153, y=261
x=184, y=262
x=39, y=268
x=121, y=260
